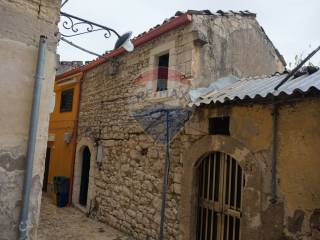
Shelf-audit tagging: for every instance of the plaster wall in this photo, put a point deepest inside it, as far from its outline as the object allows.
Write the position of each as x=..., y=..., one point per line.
x=236, y=45
x=21, y=24
x=295, y=214
x=250, y=144
x=299, y=141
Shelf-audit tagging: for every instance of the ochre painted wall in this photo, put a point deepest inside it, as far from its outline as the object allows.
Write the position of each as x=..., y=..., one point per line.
x=62, y=153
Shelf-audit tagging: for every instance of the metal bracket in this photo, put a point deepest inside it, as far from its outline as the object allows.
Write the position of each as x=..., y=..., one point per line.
x=79, y=26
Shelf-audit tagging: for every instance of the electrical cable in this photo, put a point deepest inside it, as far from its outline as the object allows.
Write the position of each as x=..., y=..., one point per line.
x=79, y=47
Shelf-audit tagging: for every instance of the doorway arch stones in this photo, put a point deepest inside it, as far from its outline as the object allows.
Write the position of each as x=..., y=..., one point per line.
x=82, y=143
x=251, y=219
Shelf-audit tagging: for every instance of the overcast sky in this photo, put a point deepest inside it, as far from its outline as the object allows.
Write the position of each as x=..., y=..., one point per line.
x=292, y=25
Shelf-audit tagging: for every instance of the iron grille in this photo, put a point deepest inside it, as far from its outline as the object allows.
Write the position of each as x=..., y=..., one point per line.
x=221, y=182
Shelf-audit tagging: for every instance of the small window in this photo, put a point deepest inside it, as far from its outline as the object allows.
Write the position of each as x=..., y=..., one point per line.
x=219, y=125
x=66, y=100
x=163, y=65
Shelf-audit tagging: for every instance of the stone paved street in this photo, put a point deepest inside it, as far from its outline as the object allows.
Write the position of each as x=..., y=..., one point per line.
x=69, y=223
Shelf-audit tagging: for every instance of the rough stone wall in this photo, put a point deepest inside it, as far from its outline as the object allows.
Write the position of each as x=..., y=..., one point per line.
x=21, y=23
x=126, y=192
x=128, y=185
x=236, y=45
x=295, y=215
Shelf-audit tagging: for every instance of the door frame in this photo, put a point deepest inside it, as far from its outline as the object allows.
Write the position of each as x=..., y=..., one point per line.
x=82, y=143
x=84, y=183
x=217, y=169
x=46, y=169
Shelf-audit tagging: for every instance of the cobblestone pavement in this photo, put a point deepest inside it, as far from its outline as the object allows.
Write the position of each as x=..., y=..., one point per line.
x=69, y=223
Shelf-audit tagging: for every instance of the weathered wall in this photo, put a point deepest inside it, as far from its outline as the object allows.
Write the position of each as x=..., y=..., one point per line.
x=126, y=192
x=250, y=144
x=127, y=188
x=299, y=140
x=236, y=45
x=295, y=215
x=21, y=24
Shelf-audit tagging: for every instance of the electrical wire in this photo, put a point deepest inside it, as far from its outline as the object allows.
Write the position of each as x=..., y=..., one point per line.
x=79, y=47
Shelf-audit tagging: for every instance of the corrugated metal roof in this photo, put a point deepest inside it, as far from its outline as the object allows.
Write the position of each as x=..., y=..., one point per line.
x=261, y=87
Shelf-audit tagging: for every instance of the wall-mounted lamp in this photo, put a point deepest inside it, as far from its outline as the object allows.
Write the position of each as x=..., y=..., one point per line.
x=67, y=137
x=125, y=42
x=99, y=156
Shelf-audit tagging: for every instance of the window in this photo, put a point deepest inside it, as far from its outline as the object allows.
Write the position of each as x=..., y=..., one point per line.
x=220, y=190
x=219, y=125
x=163, y=65
x=66, y=100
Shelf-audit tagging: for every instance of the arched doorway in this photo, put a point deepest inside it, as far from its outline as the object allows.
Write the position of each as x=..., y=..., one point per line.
x=84, y=182
x=220, y=181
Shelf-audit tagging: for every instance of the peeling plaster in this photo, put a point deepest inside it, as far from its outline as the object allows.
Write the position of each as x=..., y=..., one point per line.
x=11, y=160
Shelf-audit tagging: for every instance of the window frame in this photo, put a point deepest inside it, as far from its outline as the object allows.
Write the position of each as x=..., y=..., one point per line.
x=161, y=49
x=65, y=109
x=161, y=81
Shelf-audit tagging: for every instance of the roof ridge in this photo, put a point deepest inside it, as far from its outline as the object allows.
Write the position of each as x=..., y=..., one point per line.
x=245, y=13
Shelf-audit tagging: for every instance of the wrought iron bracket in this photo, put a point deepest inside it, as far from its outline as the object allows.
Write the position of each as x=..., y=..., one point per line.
x=79, y=26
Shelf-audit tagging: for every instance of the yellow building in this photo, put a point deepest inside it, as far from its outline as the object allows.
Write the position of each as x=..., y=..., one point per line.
x=62, y=131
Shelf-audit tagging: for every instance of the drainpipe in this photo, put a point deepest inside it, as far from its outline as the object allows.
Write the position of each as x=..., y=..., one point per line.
x=275, y=114
x=165, y=178
x=33, y=126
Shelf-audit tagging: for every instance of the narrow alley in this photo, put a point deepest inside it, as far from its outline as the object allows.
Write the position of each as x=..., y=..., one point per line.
x=69, y=223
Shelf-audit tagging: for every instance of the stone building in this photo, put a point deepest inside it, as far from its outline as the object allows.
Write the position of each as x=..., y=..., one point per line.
x=21, y=24
x=123, y=160
x=264, y=144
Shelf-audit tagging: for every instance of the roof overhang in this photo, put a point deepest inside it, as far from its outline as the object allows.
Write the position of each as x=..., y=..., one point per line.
x=140, y=40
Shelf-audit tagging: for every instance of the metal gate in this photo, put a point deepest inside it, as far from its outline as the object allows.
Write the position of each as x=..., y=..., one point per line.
x=221, y=182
